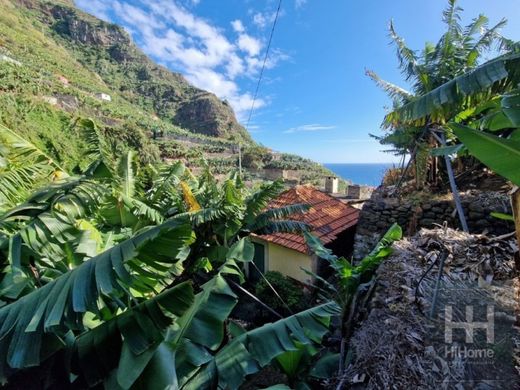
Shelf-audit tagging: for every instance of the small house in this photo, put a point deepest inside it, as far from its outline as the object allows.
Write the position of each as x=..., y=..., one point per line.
x=331, y=220
x=104, y=96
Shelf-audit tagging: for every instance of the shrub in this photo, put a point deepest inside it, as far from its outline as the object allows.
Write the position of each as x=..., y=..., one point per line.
x=290, y=291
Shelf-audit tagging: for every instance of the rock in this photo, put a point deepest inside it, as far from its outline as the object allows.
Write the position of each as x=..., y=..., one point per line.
x=475, y=215
x=482, y=223
x=382, y=224
x=426, y=222
x=426, y=206
x=476, y=207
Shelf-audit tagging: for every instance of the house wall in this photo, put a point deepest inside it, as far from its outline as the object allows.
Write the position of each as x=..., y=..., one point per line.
x=287, y=261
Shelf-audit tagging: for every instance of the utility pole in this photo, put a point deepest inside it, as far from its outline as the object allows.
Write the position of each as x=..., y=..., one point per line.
x=240, y=158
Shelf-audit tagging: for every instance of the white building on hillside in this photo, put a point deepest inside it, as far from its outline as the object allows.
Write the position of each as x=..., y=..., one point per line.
x=104, y=96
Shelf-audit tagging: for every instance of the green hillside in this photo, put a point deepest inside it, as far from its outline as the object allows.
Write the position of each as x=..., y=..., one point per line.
x=56, y=61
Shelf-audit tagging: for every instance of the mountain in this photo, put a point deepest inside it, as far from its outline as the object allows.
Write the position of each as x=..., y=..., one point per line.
x=58, y=64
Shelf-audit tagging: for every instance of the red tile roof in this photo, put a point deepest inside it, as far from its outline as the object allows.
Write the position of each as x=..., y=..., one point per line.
x=327, y=216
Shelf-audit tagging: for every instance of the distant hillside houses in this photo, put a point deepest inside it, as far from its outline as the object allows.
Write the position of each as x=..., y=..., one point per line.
x=104, y=96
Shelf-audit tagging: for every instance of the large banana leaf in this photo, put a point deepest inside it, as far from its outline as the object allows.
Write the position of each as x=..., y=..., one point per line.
x=500, y=154
x=128, y=341
x=255, y=349
x=197, y=334
x=497, y=75
x=511, y=106
x=188, y=365
x=47, y=314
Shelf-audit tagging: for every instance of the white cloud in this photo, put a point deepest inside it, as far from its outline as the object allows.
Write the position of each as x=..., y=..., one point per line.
x=98, y=8
x=309, y=128
x=299, y=3
x=193, y=46
x=238, y=26
x=263, y=19
x=249, y=44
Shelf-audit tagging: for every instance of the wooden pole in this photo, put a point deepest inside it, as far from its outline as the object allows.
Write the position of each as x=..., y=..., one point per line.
x=515, y=205
x=453, y=185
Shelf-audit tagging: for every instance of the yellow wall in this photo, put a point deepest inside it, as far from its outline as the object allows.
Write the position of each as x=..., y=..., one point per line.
x=287, y=261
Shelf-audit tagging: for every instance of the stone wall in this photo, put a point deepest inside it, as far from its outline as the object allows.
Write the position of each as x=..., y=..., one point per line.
x=379, y=213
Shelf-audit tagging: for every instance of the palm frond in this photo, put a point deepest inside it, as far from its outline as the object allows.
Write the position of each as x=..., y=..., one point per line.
x=277, y=213
x=489, y=37
x=407, y=57
x=258, y=200
x=393, y=91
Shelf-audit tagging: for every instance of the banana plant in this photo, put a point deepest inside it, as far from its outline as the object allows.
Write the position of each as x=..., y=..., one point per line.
x=35, y=325
x=352, y=278
x=23, y=166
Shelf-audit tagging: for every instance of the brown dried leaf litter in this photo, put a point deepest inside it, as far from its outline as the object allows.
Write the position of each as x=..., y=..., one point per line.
x=391, y=347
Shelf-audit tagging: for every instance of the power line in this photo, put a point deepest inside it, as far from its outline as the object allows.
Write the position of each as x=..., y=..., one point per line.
x=265, y=61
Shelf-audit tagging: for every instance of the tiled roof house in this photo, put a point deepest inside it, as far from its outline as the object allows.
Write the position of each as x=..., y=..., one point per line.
x=333, y=221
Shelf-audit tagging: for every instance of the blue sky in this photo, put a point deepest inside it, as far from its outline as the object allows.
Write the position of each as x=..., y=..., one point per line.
x=315, y=99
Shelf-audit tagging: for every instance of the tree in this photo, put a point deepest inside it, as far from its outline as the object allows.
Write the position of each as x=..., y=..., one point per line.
x=459, y=50
x=110, y=283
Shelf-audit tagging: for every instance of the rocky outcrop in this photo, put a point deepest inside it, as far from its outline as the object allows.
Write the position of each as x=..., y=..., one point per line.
x=108, y=50
x=205, y=113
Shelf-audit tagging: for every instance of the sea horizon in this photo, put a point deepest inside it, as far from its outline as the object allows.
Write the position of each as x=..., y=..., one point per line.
x=370, y=174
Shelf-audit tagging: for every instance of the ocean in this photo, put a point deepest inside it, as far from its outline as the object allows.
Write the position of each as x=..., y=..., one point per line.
x=363, y=174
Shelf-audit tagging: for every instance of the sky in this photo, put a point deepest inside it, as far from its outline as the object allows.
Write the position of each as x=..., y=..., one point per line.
x=314, y=99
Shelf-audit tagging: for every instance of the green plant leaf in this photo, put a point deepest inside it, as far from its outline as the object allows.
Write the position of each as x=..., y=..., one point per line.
x=502, y=216
x=499, y=154
x=511, y=107
x=59, y=306
x=243, y=250
x=246, y=354
x=446, y=150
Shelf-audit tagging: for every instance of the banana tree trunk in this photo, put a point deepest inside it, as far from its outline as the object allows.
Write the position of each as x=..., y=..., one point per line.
x=515, y=203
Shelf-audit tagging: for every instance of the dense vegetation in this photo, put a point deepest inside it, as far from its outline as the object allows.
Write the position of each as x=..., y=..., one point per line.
x=59, y=59
x=459, y=106
x=120, y=276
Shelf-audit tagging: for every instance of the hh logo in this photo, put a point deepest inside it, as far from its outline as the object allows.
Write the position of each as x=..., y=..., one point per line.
x=469, y=325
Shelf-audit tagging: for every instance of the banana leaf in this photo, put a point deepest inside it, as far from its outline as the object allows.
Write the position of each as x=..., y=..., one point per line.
x=500, y=154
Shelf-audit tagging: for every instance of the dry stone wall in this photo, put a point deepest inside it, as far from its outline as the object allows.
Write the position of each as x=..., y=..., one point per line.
x=380, y=212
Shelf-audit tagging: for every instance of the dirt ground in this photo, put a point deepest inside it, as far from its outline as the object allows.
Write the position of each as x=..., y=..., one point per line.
x=404, y=343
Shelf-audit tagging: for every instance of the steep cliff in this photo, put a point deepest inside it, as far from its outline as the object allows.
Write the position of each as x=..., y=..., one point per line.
x=108, y=50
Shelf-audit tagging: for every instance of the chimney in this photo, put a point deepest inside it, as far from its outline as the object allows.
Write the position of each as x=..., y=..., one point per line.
x=331, y=184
